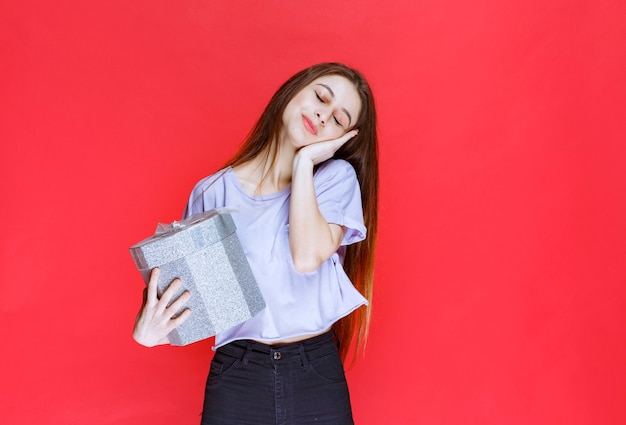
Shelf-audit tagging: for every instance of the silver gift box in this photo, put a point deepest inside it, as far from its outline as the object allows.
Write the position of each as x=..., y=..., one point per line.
x=205, y=253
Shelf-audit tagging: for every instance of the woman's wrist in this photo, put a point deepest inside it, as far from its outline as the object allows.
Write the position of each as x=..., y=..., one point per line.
x=302, y=163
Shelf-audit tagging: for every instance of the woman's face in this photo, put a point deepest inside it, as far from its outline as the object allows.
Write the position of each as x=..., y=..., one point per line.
x=324, y=110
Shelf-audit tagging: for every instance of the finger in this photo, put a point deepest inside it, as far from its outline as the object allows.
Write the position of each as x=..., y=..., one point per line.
x=350, y=134
x=179, y=303
x=339, y=142
x=169, y=293
x=346, y=137
x=152, y=286
x=181, y=319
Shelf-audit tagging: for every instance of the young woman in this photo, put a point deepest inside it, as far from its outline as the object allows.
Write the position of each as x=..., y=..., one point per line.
x=302, y=221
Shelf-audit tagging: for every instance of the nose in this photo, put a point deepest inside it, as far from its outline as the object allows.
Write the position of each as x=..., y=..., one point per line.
x=322, y=117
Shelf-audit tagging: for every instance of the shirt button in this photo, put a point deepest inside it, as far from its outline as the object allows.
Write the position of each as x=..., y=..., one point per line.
x=277, y=355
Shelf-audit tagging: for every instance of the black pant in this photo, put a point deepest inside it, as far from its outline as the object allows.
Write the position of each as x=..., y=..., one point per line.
x=300, y=383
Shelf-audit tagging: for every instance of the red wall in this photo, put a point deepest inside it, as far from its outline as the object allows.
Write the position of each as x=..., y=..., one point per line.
x=500, y=272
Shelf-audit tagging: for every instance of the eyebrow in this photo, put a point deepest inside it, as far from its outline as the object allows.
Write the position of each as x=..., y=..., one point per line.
x=332, y=94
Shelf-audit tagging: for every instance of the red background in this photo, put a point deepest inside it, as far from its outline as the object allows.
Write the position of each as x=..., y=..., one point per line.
x=500, y=272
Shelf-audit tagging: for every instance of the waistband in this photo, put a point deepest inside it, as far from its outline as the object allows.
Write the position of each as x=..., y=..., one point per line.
x=315, y=347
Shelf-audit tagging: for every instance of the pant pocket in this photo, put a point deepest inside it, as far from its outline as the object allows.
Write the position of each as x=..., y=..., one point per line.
x=221, y=364
x=329, y=367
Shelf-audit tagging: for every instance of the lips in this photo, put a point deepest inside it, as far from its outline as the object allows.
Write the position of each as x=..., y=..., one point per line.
x=308, y=124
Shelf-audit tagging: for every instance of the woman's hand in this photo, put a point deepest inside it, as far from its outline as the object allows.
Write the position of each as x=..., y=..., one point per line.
x=321, y=151
x=154, y=320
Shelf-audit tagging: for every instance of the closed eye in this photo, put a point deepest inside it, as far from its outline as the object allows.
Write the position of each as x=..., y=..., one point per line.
x=324, y=101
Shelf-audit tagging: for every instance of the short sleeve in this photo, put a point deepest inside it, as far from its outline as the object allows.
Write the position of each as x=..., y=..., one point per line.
x=339, y=198
x=203, y=196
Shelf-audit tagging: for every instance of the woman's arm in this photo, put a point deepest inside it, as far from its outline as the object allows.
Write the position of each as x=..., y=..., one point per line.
x=312, y=240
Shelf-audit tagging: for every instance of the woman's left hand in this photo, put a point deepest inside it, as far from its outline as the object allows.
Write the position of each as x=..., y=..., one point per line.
x=321, y=151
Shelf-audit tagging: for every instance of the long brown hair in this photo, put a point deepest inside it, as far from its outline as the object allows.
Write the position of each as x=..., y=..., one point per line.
x=362, y=153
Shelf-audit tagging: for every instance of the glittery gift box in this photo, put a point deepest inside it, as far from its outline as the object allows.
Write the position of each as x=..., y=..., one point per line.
x=205, y=253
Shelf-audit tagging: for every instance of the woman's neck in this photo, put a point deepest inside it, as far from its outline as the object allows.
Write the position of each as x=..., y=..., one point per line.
x=250, y=174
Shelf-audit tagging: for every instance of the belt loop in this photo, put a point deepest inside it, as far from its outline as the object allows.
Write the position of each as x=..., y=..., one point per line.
x=336, y=338
x=304, y=359
x=246, y=354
